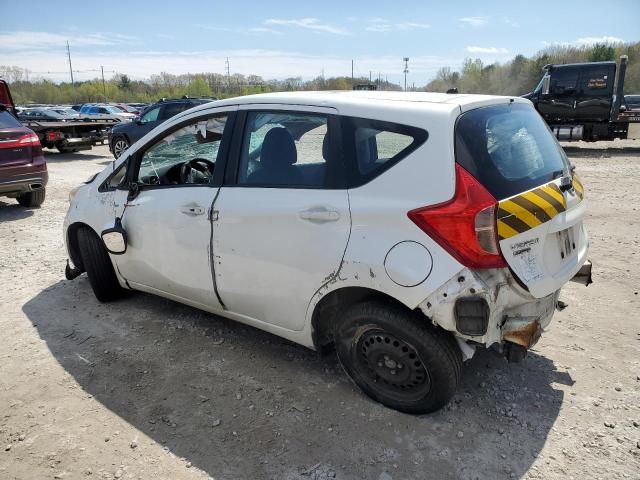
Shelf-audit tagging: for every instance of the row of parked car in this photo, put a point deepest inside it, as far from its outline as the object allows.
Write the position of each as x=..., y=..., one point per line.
x=81, y=112
x=134, y=120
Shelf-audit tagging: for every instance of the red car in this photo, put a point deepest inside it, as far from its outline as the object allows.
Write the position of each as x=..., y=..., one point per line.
x=23, y=169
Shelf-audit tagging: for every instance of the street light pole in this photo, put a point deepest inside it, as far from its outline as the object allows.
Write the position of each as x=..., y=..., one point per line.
x=406, y=70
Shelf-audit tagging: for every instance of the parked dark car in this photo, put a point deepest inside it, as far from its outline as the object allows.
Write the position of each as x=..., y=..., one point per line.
x=124, y=134
x=44, y=115
x=23, y=169
x=632, y=102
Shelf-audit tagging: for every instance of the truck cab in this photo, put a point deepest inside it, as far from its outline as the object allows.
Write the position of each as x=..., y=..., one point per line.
x=578, y=100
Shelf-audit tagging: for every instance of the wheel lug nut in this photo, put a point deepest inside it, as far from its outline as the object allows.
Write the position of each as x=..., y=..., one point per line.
x=399, y=365
x=380, y=364
x=393, y=372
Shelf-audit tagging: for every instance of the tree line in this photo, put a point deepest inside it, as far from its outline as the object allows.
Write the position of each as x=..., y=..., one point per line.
x=514, y=77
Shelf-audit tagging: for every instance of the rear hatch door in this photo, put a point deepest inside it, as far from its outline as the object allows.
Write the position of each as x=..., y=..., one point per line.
x=510, y=150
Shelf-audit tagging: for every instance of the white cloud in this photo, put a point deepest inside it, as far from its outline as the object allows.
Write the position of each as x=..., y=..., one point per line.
x=308, y=23
x=35, y=40
x=581, y=42
x=494, y=50
x=475, y=22
x=265, y=30
x=592, y=40
x=511, y=22
x=382, y=25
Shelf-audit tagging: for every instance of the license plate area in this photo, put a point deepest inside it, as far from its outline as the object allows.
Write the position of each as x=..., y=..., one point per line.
x=566, y=243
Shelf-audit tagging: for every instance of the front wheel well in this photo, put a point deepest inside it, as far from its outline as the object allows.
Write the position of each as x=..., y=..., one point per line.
x=329, y=308
x=74, y=247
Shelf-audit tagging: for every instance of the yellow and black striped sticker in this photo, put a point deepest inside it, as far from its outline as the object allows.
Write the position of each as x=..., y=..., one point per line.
x=577, y=186
x=530, y=209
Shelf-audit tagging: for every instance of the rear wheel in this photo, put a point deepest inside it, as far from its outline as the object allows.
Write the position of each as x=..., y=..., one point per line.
x=97, y=263
x=119, y=145
x=397, y=358
x=32, y=199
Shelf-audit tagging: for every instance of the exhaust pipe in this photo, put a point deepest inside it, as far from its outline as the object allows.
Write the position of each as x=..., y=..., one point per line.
x=584, y=274
x=35, y=186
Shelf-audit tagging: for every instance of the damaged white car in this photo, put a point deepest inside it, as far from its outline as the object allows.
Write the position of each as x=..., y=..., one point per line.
x=405, y=229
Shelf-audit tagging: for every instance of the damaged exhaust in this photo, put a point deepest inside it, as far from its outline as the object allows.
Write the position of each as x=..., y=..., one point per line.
x=584, y=274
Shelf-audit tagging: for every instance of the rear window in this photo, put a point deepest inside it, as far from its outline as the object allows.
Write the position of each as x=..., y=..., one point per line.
x=7, y=120
x=508, y=148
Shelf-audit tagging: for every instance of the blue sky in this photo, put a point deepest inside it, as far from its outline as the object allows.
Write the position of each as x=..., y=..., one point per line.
x=281, y=39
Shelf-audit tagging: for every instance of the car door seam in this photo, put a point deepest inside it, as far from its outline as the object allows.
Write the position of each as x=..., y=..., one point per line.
x=212, y=258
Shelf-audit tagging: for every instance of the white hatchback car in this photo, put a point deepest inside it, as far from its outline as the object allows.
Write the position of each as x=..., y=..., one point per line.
x=405, y=229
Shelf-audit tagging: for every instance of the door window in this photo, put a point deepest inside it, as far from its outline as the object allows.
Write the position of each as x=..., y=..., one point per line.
x=564, y=81
x=150, y=115
x=186, y=156
x=285, y=149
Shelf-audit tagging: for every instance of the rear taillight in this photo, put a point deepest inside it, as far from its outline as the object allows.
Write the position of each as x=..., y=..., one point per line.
x=25, y=140
x=465, y=226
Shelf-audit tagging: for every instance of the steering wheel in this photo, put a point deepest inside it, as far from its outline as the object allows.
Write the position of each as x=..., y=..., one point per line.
x=201, y=165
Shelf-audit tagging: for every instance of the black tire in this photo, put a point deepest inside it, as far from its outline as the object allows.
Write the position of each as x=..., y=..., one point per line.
x=98, y=266
x=374, y=339
x=118, y=145
x=32, y=199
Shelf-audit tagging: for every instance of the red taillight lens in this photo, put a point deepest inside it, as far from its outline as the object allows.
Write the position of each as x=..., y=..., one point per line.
x=466, y=225
x=26, y=140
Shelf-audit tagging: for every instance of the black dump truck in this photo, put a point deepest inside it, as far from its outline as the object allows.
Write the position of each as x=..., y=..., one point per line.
x=585, y=101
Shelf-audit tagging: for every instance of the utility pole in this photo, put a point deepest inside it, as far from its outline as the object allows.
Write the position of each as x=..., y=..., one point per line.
x=351, y=72
x=70, y=68
x=369, y=76
x=104, y=88
x=406, y=70
x=228, y=73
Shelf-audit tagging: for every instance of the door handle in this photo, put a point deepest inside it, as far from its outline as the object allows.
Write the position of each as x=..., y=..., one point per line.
x=192, y=210
x=319, y=215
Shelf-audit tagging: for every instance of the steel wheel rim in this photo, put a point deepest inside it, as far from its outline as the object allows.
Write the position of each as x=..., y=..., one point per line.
x=119, y=147
x=391, y=365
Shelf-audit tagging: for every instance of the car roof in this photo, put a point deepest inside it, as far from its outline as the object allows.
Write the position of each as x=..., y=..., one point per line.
x=359, y=98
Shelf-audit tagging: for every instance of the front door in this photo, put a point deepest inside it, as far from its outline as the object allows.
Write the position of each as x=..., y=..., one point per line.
x=558, y=105
x=168, y=224
x=281, y=227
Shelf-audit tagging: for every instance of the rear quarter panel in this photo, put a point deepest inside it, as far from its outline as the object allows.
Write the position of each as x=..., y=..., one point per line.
x=379, y=208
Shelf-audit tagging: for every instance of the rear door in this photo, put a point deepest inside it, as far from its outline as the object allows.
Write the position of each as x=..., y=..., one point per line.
x=510, y=150
x=281, y=225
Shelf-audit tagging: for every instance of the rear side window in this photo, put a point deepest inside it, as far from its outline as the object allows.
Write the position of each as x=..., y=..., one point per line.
x=173, y=109
x=508, y=148
x=8, y=121
x=373, y=146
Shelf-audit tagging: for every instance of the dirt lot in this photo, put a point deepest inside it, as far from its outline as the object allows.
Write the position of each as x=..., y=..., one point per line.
x=149, y=389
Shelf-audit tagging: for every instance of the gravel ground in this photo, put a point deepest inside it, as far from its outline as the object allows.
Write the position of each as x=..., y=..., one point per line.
x=150, y=389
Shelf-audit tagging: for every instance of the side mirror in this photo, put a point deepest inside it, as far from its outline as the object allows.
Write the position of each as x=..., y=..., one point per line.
x=115, y=238
x=546, y=82
x=138, y=120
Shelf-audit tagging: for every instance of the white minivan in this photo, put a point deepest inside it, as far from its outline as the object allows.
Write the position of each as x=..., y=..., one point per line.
x=405, y=229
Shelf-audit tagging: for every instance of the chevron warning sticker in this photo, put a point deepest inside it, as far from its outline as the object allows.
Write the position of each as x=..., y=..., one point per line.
x=532, y=208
